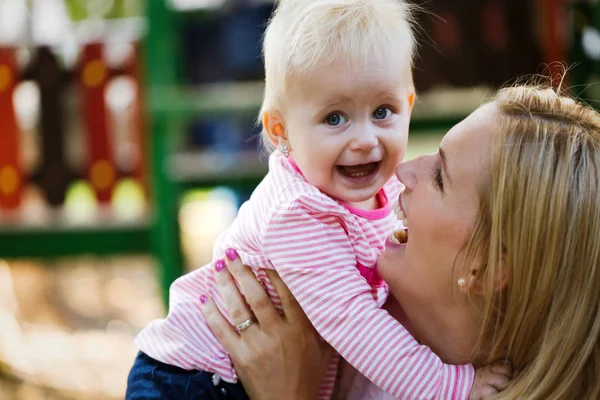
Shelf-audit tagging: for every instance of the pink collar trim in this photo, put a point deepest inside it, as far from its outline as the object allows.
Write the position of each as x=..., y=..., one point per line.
x=385, y=207
x=295, y=166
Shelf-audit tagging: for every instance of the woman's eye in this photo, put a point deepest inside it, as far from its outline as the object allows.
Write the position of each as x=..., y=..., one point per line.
x=437, y=177
x=335, y=119
x=382, y=113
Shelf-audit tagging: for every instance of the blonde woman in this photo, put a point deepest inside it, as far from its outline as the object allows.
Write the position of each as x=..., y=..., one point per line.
x=502, y=260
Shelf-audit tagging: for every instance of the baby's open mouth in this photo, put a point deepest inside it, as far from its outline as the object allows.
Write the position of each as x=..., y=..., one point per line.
x=358, y=171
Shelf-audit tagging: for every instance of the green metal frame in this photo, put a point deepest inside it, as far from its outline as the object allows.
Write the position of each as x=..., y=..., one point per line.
x=161, y=68
x=60, y=242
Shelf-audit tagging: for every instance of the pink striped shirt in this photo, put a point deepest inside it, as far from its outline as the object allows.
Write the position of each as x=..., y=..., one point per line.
x=354, y=386
x=326, y=252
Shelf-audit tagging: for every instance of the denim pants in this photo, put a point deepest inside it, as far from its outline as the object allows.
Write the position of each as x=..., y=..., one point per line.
x=153, y=380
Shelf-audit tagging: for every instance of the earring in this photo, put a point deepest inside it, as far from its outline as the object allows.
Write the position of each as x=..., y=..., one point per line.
x=283, y=149
x=462, y=282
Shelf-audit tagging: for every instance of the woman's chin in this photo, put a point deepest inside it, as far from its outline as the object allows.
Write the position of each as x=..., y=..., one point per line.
x=390, y=258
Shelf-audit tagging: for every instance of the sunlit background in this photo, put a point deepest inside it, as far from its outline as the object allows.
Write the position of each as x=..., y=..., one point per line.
x=128, y=142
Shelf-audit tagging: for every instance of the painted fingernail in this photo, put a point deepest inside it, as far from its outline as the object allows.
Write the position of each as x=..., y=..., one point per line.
x=219, y=265
x=203, y=299
x=231, y=254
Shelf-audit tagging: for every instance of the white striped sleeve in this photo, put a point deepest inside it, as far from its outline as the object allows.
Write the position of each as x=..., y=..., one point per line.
x=313, y=255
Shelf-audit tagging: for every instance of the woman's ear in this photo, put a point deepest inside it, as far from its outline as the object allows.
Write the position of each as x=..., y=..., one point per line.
x=273, y=125
x=474, y=282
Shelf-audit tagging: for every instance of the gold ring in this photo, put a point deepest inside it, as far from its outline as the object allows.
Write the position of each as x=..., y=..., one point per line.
x=244, y=325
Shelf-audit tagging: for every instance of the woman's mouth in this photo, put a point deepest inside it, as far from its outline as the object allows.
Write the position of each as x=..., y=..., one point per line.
x=400, y=235
x=359, y=172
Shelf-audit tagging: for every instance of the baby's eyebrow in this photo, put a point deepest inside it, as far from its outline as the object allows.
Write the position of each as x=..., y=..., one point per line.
x=390, y=94
x=336, y=100
x=340, y=99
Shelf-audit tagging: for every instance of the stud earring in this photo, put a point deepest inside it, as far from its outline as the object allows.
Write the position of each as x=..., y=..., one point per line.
x=462, y=282
x=283, y=149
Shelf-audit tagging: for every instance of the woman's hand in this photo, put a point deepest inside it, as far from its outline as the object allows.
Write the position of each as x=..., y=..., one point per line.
x=276, y=357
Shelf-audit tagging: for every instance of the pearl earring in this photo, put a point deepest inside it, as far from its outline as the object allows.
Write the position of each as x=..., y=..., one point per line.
x=283, y=149
x=462, y=282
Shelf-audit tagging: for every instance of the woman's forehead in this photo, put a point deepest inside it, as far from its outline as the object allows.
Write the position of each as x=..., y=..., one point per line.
x=467, y=146
x=472, y=132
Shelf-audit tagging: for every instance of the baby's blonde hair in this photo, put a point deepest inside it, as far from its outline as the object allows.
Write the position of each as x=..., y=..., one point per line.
x=539, y=226
x=305, y=34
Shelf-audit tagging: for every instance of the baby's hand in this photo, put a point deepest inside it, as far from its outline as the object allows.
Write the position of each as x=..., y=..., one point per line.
x=491, y=379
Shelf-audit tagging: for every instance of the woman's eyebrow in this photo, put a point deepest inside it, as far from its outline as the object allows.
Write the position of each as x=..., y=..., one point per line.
x=444, y=166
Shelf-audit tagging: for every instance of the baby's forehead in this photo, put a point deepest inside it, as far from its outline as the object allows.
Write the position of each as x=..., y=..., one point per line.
x=353, y=63
x=379, y=78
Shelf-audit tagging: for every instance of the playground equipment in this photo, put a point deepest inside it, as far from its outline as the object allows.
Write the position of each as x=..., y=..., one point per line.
x=171, y=102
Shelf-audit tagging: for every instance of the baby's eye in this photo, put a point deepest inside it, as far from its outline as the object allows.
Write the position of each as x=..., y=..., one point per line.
x=382, y=113
x=335, y=119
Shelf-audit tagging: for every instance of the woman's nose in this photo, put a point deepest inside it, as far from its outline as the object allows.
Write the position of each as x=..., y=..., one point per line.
x=405, y=172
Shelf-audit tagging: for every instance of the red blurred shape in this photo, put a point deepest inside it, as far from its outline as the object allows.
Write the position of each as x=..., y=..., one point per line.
x=11, y=175
x=93, y=76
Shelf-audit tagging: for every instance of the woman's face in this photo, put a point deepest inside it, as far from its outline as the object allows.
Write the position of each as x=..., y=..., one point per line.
x=441, y=203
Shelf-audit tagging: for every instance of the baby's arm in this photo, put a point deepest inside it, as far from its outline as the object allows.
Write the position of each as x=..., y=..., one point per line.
x=312, y=253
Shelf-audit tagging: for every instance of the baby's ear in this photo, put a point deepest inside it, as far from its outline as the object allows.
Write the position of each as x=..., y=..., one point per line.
x=273, y=125
x=411, y=99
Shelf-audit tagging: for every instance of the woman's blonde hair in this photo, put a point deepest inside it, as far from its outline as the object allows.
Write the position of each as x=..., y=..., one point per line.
x=539, y=228
x=305, y=34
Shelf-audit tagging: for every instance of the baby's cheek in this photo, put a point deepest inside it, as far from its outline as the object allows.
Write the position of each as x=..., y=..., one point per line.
x=400, y=156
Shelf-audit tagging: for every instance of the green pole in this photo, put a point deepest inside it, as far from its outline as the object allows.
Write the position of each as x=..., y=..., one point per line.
x=595, y=69
x=160, y=50
x=584, y=14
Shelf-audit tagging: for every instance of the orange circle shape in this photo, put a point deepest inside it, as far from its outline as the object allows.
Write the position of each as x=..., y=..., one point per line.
x=9, y=180
x=5, y=77
x=94, y=73
x=102, y=175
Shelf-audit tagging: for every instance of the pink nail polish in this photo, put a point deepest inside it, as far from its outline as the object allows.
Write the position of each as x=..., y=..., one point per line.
x=203, y=299
x=219, y=265
x=231, y=254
